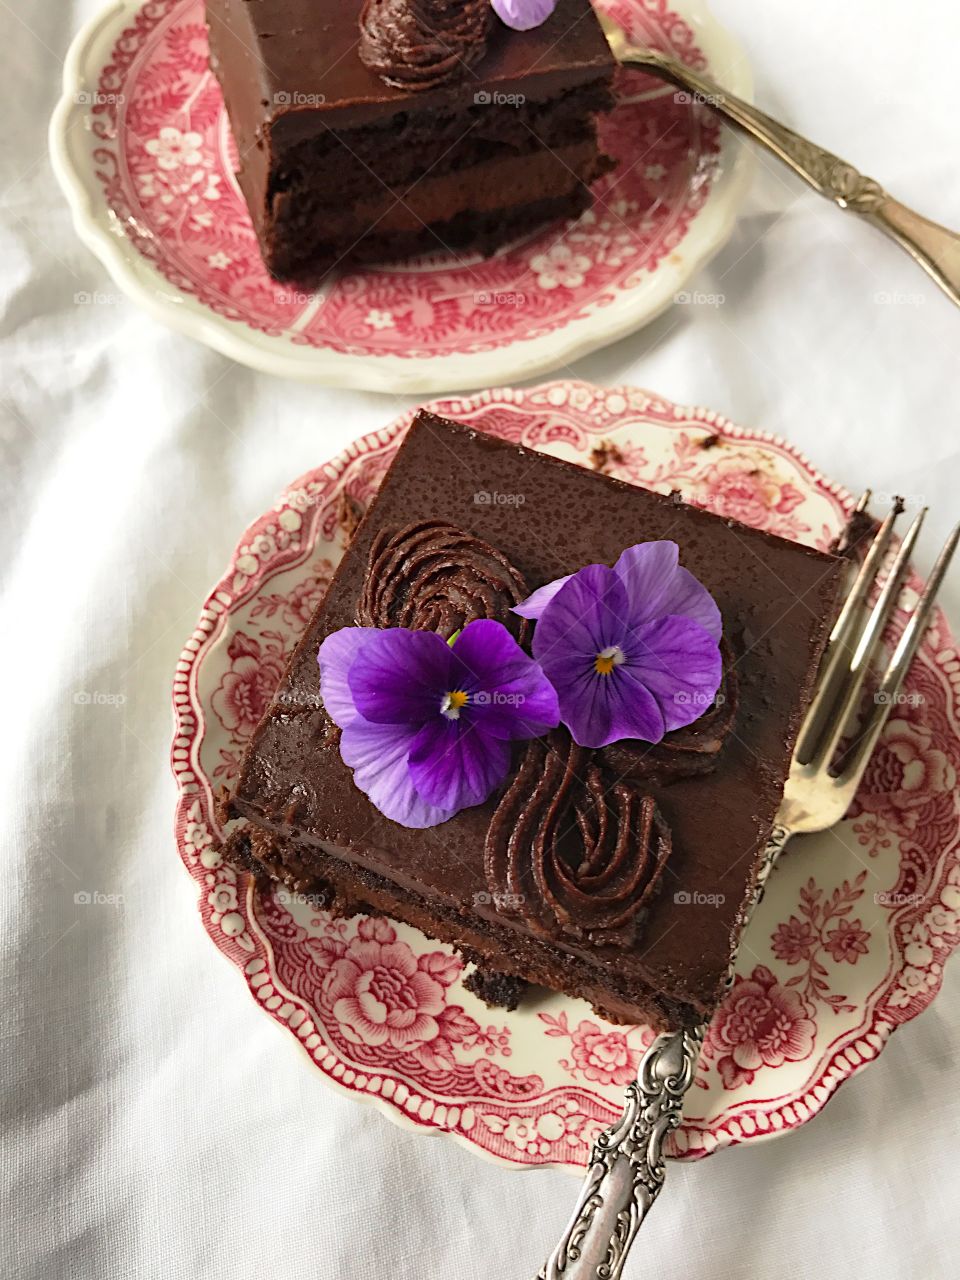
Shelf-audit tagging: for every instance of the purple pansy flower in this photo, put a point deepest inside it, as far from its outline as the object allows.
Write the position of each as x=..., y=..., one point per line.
x=523, y=15
x=426, y=724
x=632, y=651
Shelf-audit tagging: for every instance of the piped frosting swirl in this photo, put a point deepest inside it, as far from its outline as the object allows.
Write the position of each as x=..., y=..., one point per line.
x=432, y=576
x=418, y=44
x=571, y=854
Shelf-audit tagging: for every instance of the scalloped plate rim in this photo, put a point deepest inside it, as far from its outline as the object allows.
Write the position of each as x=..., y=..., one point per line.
x=94, y=224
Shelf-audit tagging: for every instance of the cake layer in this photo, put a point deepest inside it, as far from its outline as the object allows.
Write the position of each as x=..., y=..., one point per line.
x=476, y=233
x=546, y=518
x=312, y=227
x=401, y=150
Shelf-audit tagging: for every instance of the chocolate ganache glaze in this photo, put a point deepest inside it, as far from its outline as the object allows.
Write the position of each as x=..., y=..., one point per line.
x=432, y=576
x=572, y=854
x=418, y=44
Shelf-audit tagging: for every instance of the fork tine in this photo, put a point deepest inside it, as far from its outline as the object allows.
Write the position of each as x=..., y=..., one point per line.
x=867, y=644
x=835, y=667
x=903, y=655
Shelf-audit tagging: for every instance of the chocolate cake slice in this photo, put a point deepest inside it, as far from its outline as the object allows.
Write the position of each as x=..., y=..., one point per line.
x=359, y=143
x=618, y=874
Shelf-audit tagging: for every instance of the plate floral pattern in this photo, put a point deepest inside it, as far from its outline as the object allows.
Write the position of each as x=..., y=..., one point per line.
x=848, y=944
x=156, y=162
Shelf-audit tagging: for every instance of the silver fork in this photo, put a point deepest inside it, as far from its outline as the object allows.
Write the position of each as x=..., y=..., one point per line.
x=626, y=1170
x=933, y=247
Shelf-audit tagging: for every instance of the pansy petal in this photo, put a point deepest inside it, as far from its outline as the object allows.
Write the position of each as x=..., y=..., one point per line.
x=680, y=664
x=400, y=676
x=634, y=709
x=510, y=697
x=657, y=587
x=336, y=656
x=535, y=604
x=523, y=15
x=378, y=753
x=456, y=764
x=587, y=615
x=524, y=708
x=486, y=652
x=600, y=709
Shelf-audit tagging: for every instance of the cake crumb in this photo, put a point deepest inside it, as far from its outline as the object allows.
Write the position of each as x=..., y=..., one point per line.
x=349, y=515
x=221, y=805
x=496, y=990
x=604, y=456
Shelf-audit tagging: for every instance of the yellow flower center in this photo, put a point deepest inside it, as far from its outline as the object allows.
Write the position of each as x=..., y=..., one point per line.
x=607, y=659
x=452, y=703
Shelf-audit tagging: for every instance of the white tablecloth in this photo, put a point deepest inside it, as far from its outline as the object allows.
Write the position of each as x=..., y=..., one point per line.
x=154, y=1123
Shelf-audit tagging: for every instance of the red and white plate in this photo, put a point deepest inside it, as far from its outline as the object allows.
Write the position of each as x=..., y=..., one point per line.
x=142, y=148
x=849, y=943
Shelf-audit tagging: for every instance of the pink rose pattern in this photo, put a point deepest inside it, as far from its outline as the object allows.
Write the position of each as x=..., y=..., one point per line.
x=245, y=690
x=169, y=179
x=598, y=1054
x=394, y=1005
x=760, y=1024
x=382, y=1004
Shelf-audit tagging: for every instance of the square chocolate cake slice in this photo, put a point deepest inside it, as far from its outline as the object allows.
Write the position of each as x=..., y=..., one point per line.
x=619, y=873
x=348, y=152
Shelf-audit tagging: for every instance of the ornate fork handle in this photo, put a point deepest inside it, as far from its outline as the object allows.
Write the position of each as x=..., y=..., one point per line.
x=933, y=247
x=626, y=1165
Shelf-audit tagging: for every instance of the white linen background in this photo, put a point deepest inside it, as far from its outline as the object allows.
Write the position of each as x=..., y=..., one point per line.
x=154, y=1122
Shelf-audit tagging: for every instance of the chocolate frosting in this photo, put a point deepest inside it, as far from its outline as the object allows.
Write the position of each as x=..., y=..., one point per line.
x=571, y=852
x=418, y=44
x=432, y=576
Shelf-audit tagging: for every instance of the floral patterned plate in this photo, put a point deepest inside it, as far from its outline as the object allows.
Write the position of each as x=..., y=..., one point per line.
x=849, y=942
x=143, y=150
